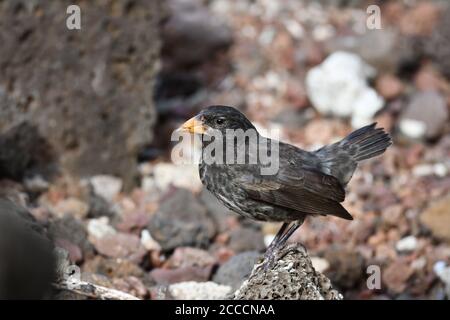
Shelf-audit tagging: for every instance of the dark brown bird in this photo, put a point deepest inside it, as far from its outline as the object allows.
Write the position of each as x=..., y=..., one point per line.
x=305, y=184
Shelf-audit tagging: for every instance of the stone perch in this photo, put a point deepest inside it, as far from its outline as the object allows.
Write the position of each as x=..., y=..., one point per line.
x=292, y=277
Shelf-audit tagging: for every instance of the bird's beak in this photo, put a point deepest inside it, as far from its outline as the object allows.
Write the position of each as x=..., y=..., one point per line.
x=194, y=125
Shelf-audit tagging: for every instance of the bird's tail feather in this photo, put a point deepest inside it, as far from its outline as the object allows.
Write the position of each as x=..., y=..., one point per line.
x=366, y=142
x=341, y=158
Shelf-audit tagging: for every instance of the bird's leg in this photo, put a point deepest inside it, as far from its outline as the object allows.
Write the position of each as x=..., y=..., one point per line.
x=277, y=238
x=280, y=239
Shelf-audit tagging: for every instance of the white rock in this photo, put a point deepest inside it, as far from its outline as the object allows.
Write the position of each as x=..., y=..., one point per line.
x=412, y=128
x=339, y=87
x=268, y=238
x=99, y=228
x=182, y=176
x=148, y=242
x=443, y=272
x=406, y=244
x=320, y=264
x=106, y=186
x=191, y=290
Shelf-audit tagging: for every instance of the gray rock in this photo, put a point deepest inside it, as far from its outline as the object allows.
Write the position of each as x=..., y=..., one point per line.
x=425, y=116
x=437, y=46
x=72, y=230
x=192, y=34
x=246, y=239
x=233, y=272
x=292, y=277
x=181, y=221
x=74, y=86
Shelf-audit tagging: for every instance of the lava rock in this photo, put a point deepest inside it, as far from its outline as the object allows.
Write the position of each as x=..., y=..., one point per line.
x=73, y=111
x=181, y=221
x=192, y=34
x=291, y=277
x=233, y=272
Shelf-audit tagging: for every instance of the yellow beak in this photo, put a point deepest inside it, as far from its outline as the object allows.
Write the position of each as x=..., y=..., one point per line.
x=194, y=125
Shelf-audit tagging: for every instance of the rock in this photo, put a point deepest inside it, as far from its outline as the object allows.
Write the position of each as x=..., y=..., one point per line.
x=233, y=272
x=133, y=221
x=389, y=86
x=346, y=266
x=180, y=176
x=192, y=34
x=36, y=184
x=425, y=116
x=181, y=221
x=107, y=187
x=320, y=264
x=437, y=46
x=148, y=242
x=339, y=87
x=396, y=275
x=380, y=48
x=246, y=239
x=443, y=272
x=71, y=206
x=131, y=285
x=99, y=207
x=120, y=245
x=73, y=231
x=190, y=257
x=292, y=277
x=113, y=268
x=23, y=151
x=436, y=217
x=199, y=291
x=189, y=273
x=420, y=20
x=99, y=228
x=74, y=251
x=73, y=111
x=406, y=244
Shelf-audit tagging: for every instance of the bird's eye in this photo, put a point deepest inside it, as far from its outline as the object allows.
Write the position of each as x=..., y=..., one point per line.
x=220, y=121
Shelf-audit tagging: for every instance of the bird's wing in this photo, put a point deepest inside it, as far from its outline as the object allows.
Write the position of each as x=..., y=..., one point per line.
x=314, y=181
x=305, y=192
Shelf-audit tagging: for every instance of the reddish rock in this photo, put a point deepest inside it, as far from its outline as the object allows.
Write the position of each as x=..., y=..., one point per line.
x=396, y=275
x=190, y=257
x=389, y=86
x=169, y=276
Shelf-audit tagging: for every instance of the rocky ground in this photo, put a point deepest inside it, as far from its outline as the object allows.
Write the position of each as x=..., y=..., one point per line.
x=314, y=72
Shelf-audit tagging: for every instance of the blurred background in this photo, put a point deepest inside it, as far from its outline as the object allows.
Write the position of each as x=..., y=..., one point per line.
x=86, y=117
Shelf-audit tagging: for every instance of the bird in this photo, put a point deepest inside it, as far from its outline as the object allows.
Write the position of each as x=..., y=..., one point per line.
x=305, y=184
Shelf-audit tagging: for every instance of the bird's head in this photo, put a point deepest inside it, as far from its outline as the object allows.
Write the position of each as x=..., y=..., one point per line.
x=219, y=118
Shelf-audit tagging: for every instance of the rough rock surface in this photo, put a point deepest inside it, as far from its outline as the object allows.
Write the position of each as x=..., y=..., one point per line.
x=72, y=86
x=291, y=277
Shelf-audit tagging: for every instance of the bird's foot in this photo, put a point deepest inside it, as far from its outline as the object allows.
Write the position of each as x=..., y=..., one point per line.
x=269, y=260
